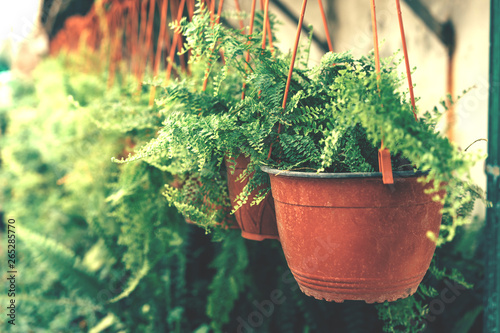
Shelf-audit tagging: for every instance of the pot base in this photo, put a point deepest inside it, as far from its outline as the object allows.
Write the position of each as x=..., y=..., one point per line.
x=340, y=290
x=340, y=298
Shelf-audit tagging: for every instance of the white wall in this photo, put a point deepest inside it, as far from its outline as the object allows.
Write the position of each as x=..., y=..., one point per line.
x=20, y=34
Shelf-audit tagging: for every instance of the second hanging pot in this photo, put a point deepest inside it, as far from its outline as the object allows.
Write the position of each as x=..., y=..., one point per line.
x=257, y=222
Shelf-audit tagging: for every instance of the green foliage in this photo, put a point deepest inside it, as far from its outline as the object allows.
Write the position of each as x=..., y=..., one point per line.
x=228, y=282
x=337, y=115
x=104, y=248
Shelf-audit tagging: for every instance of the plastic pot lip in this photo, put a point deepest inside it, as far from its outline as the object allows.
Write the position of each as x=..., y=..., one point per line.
x=347, y=175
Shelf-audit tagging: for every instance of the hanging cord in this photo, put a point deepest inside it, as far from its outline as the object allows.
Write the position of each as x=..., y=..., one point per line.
x=161, y=36
x=182, y=60
x=407, y=61
x=325, y=23
x=159, y=47
x=264, y=26
x=212, y=13
x=290, y=72
x=250, y=32
x=384, y=156
x=142, y=33
x=221, y=52
x=190, y=8
x=134, y=22
x=116, y=42
x=219, y=10
x=147, y=40
x=294, y=55
x=264, y=5
x=166, y=39
x=175, y=40
x=375, y=39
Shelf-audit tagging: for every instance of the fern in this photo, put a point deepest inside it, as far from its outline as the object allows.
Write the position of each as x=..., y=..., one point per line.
x=228, y=282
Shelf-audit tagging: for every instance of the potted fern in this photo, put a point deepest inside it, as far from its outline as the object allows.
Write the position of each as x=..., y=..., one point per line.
x=199, y=139
x=346, y=235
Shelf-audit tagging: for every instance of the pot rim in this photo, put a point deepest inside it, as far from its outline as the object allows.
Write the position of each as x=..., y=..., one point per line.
x=345, y=175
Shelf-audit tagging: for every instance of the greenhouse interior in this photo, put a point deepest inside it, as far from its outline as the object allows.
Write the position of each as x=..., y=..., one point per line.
x=160, y=161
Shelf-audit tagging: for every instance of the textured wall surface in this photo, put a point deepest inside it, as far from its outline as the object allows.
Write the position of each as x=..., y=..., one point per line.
x=21, y=37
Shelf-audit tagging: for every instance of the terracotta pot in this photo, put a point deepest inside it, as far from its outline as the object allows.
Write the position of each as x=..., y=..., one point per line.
x=257, y=222
x=350, y=237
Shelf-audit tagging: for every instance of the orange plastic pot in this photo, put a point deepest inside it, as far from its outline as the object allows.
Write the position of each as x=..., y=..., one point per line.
x=257, y=222
x=350, y=237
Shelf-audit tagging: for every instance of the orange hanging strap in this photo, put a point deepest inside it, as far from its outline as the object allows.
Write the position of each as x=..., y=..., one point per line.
x=375, y=38
x=250, y=32
x=407, y=61
x=221, y=4
x=134, y=22
x=294, y=54
x=266, y=22
x=264, y=4
x=290, y=72
x=190, y=8
x=264, y=25
x=212, y=12
x=325, y=23
x=174, y=41
x=384, y=156
x=149, y=30
x=167, y=40
x=142, y=34
x=159, y=47
x=146, y=41
x=161, y=36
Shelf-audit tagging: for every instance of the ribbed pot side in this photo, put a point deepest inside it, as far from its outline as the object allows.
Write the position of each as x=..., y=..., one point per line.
x=257, y=222
x=356, y=238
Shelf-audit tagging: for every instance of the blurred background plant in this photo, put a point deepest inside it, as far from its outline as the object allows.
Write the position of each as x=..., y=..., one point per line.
x=100, y=250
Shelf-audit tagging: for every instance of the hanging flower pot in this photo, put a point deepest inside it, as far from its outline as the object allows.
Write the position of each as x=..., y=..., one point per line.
x=257, y=222
x=350, y=237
